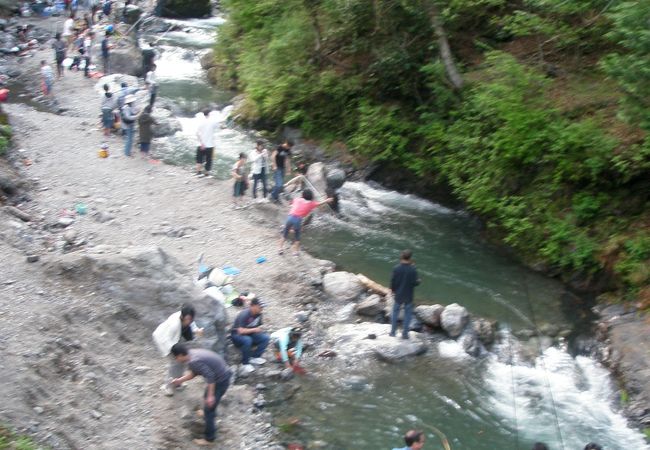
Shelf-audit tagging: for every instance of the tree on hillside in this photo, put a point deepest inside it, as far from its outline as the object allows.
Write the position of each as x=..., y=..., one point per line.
x=443, y=45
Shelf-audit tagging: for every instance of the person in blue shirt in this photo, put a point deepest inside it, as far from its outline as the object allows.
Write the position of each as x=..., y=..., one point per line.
x=414, y=440
x=288, y=345
x=248, y=336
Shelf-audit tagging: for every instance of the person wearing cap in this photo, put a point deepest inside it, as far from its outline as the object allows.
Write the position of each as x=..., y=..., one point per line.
x=248, y=336
x=414, y=440
x=288, y=345
x=129, y=116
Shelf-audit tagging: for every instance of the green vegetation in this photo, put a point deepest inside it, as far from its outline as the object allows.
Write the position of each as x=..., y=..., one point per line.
x=12, y=441
x=5, y=138
x=535, y=113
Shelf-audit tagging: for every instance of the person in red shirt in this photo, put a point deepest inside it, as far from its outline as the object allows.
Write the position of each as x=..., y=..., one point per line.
x=300, y=208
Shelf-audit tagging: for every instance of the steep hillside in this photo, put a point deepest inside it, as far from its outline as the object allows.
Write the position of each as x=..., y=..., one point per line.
x=534, y=113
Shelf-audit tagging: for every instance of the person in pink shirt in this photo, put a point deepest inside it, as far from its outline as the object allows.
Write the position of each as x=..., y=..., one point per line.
x=300, y=208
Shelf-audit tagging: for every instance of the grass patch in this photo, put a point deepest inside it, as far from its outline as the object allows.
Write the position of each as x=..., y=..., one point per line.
x=12, y=441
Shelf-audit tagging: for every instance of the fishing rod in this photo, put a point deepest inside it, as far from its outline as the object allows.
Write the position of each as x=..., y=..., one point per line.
x=543, y=361
x=440, y=434
x=311, y=186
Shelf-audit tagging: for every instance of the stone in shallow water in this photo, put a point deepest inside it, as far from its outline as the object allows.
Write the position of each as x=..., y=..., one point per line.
x=454, y=319
x=351, y=341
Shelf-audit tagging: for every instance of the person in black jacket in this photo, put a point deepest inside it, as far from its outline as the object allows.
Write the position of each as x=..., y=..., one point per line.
x=402, y=284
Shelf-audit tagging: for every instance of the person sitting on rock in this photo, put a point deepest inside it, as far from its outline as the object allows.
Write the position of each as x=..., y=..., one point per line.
x=217, y=375
x=414, y=440
x=179, y=327
x=247, y=335
x=288, y=345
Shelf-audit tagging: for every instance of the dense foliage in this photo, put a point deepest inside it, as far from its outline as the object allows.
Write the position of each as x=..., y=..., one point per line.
x=545, y=137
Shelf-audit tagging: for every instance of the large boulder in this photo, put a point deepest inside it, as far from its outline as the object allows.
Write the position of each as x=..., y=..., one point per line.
x=317, y=176
x=183, y=9
x=145, y=278
x=371, y=306
x=429, y=314
x=342, y=286
x=335, y=177
x=166, y=123
x=454, y=319
x=207, y=60
x=126, y=59
x=359, y=341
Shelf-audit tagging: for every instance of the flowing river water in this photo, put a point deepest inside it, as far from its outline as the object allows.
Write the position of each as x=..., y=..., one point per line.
x=503, y=401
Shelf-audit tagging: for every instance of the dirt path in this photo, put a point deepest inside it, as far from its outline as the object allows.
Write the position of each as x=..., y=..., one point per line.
x=70, y=377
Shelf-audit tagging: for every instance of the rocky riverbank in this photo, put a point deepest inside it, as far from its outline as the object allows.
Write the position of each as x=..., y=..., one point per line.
x=84, y=291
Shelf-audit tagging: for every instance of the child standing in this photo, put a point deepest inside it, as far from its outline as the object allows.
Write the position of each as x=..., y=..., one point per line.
x=239, y=176
x=146, y=122
x=300, y=208
x=48, y=78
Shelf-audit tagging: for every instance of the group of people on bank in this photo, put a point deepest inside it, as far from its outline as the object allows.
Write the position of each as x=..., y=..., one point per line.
x=174, y=339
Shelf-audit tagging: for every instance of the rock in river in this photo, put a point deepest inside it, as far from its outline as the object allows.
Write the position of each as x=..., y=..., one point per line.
x=429, y=314
x=342, y=286
x=353, y=341
x=454, y=319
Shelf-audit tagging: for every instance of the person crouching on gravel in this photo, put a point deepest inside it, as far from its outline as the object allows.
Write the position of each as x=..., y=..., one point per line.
x=300, y=208
x=216, y=373
x=179, y=327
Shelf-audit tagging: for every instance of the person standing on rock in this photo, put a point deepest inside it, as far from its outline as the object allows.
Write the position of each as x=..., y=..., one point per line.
x=300, y=208
x=281, y=164
x=145, y=125
x=402, y=285
x=179, y=327
x=106, y=50
x=148, y=58
x=216, y=373
x=259, y=159
x=129, y=116
x=414, y=440
x=59, y=47
x=205, y=135
x=151, y=84
x=248, y=336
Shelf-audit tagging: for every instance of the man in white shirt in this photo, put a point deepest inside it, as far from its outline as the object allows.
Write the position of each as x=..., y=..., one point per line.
x=259, y=159
x=205, y=133
x=68, y=31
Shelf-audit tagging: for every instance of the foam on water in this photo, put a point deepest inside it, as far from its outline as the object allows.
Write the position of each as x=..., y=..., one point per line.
x=575, y=394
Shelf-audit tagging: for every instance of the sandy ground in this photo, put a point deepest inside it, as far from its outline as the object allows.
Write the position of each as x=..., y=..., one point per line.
x=71, y=377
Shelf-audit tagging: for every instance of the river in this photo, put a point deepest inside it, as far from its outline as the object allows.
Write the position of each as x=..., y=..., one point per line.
x=503, y=401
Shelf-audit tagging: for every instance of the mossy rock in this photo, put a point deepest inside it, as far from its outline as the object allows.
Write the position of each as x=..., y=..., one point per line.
x=183, y=8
